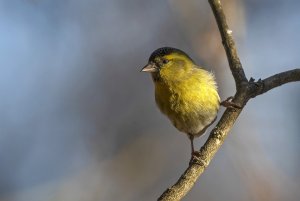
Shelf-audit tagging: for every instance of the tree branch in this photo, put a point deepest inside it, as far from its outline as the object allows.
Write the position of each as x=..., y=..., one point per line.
x=245, y=91
x=276, y=81
x=228, y=43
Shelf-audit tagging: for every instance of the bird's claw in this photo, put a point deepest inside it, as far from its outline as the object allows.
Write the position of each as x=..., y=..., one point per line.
x=229, y=104
x=196, y=159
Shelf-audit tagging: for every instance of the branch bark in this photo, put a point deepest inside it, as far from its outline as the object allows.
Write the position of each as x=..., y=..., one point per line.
x=228, y=43
x=276, y=81
x=245, y=90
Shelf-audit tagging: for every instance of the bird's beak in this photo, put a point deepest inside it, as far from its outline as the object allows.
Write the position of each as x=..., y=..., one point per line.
x=150, y=68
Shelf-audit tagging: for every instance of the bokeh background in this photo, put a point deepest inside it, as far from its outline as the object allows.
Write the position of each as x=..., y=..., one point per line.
x=78, y=120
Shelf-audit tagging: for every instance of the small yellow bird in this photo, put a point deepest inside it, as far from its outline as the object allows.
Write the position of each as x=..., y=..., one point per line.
x=185, y=93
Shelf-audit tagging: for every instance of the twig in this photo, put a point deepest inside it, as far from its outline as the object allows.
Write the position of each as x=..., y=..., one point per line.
x=276, y=81
x=245, y=91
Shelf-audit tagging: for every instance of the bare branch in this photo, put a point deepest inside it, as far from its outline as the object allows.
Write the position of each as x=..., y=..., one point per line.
x=228, y=43
x=276, y=81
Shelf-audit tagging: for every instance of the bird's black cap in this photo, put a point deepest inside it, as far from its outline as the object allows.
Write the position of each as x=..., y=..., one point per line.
x=160, y=52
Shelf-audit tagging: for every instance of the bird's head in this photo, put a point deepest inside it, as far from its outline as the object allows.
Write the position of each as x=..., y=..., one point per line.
x=168, y=63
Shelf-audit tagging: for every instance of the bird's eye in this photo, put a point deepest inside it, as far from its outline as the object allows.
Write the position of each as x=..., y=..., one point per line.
x=165, y=61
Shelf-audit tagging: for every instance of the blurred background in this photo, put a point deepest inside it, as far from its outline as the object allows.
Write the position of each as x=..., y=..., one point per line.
x=78, y=120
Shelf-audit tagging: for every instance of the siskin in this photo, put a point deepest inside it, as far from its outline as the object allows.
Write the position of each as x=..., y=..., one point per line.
x=186, y=93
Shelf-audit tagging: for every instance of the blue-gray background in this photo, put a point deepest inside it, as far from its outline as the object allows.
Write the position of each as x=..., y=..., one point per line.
x=78, y=121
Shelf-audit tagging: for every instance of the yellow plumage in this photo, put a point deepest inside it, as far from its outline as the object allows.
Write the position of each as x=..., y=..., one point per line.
x=190, y=103
x=185, y=93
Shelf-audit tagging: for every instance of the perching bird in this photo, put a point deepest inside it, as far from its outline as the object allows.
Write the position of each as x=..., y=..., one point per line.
x=186, y=93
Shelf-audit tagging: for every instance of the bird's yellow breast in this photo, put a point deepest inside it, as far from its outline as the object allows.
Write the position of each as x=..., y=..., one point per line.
x=190, y=103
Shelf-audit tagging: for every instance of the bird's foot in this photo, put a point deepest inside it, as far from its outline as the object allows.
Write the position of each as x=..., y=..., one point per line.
x=229, y=104
x=196, y=159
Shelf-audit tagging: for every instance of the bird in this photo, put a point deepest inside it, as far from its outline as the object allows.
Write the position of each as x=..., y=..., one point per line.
x=185, y=92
